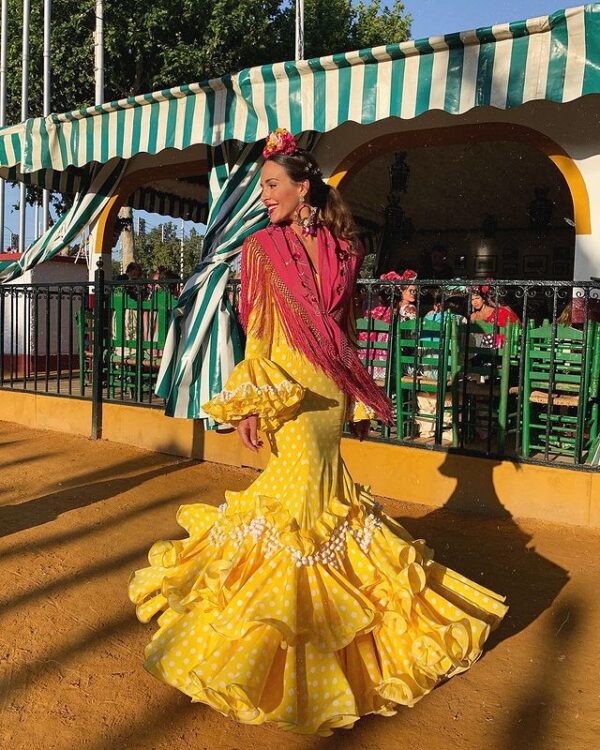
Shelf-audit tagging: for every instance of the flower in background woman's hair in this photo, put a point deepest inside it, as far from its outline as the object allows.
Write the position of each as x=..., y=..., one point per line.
x=280, y=141
x=408, y=275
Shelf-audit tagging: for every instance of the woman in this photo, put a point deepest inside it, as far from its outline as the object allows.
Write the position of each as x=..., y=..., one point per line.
x=407, y=309
x=485, y=309
x=444, y=310
x=297, y=601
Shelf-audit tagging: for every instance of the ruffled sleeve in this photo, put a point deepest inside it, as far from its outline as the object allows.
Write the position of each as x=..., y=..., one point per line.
x=257, y=386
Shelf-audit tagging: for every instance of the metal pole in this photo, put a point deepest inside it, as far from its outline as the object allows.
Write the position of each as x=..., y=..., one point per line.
x=98, y=351
x=299, y=30
x=99, y=52
x=36, y=220
x=24, y=114
x=181, y=253
x=47, y=103
x=3, y=54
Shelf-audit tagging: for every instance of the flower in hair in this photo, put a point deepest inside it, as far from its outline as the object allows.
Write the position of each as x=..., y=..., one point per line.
x=280, y=141
x=408, y=275
x=390, y=276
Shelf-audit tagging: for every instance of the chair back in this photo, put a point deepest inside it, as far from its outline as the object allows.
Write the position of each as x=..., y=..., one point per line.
x=375, y=343
x=558, y=359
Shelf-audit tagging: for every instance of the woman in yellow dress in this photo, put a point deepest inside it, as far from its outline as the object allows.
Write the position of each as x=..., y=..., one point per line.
x=298, y=601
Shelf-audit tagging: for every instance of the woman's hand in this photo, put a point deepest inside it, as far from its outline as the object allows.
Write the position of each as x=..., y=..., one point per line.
x=248, y=431
x=360, y=429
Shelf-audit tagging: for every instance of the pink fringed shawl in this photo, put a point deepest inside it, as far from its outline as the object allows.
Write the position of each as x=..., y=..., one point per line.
x=314, y=316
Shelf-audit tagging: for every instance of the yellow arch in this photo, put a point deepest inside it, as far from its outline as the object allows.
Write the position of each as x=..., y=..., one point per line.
x=383, y=144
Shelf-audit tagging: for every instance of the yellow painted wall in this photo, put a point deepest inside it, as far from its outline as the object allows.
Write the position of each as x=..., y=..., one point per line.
x=432, y=478
x=47, y=412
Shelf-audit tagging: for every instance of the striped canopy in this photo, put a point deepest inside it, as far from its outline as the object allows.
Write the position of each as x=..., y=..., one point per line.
x=554, y=57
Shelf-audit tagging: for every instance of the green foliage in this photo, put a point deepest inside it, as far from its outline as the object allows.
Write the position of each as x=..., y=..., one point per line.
x=367, y=270
x=339, y=26
x=151, y=251
x=157, y=44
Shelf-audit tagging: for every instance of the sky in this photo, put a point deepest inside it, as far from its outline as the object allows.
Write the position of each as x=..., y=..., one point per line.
x=434, y=17
x=430, y=18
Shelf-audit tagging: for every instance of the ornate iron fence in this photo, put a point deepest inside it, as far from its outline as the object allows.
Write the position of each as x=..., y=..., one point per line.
x=502, y=369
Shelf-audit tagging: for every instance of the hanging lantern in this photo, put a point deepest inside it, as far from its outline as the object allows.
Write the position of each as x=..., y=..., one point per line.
x=399, y=173
x=540, y=209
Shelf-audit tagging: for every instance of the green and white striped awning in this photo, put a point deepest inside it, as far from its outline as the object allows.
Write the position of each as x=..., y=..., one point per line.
x=556, y=58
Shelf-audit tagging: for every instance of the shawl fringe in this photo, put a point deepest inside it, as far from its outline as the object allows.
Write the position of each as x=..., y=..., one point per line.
x=260, y=282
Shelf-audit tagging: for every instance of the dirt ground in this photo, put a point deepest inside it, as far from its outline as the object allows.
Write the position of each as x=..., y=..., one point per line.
x=76, y=517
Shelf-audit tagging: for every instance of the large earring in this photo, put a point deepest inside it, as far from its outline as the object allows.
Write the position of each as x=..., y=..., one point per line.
x=305, y=216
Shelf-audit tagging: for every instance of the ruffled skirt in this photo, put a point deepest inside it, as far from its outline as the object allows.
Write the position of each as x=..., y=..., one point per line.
x=266, y=623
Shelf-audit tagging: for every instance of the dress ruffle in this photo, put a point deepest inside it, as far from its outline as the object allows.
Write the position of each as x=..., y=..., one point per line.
x=257, y=386
x=262, y=634
x=356, y=411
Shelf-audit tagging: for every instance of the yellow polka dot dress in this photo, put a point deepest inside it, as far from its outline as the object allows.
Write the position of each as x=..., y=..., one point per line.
x=297, y=601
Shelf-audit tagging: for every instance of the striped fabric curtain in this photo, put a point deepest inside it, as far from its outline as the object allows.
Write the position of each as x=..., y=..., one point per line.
x=203, y=343
x=92, y=196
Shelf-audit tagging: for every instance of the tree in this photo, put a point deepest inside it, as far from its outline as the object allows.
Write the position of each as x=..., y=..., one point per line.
x=161, y=246
x=156, y=44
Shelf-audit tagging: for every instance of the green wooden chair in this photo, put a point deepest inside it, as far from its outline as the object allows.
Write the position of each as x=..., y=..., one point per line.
x=561, y=391
x=427, y=362
x=375, y=348
x=375, y=351
x=490, y=376
x=139, y=332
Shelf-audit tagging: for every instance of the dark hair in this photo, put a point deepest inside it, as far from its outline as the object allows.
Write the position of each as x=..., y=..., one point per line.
x=133, y=266
x=448, y=301
x=334, y=213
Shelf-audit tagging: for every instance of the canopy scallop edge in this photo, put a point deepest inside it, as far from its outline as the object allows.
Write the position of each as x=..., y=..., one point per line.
x=554, y=58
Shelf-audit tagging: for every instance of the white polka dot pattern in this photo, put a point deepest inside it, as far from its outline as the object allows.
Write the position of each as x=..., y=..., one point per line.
x=298, y=601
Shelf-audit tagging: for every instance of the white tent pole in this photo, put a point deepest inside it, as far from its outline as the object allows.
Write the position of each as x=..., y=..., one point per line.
x=299, y=55
x=47, y=104
x=99, y=52
x=24, y=114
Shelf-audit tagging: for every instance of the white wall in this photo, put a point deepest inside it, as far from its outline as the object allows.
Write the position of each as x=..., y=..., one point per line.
x=573, y=126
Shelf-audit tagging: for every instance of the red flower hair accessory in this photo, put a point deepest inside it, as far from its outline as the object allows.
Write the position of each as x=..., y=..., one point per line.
x=482, y=289
x=408, y=275
x=390, y=276
x=280, y=141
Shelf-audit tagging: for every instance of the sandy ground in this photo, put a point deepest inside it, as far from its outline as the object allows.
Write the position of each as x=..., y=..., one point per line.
x=76, y=517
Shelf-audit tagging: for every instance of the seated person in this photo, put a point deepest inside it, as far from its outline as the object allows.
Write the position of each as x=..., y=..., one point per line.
x=484, y=308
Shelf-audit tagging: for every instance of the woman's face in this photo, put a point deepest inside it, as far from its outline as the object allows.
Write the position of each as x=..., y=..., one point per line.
x=477, y=302
x=280, y=194
x=409, y=294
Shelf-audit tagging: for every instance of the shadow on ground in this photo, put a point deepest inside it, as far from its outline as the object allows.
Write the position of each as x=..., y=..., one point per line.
x=491, y=548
